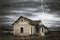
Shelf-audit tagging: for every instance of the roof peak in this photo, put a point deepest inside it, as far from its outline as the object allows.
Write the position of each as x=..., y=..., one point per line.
x=35, y=21
x=21, y=16
x=28, y=18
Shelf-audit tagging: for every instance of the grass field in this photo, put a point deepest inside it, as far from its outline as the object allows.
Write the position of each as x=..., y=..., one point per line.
x=50, y=36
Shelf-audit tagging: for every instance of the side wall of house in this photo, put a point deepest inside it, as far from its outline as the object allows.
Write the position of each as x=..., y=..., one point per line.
x=27, y=29
x=42, y=31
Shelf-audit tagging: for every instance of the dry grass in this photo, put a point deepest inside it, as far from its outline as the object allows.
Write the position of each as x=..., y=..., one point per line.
x=46, y=37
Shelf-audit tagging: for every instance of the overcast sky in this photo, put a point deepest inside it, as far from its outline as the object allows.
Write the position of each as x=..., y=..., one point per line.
x=11, y=10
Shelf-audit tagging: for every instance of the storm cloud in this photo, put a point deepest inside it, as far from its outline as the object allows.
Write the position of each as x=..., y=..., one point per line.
x=11, y=10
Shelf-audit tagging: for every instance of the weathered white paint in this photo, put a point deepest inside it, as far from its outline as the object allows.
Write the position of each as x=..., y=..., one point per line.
x=33, y=30
x=27, y=28
x=42, y=31
x=40, y=23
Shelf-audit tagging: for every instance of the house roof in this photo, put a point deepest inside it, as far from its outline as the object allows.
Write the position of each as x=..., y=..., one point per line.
x=31, y=22
x=35, y=22
x=20, y=18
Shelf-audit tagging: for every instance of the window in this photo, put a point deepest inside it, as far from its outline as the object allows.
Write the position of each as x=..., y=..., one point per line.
x=37, y=30
x=31, y=30
x=21, y=20
x=42, y=30
x=21, y=30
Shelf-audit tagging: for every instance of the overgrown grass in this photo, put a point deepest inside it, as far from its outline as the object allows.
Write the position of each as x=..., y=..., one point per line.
x=51, y=36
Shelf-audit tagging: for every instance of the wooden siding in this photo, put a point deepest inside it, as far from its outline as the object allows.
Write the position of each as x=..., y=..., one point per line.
x=26, y=28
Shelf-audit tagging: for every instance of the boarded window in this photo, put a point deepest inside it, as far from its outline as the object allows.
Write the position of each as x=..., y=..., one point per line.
x=21, y=30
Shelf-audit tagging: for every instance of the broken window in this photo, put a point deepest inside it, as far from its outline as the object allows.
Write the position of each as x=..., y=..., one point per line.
x=42, y=30
x=21, y=30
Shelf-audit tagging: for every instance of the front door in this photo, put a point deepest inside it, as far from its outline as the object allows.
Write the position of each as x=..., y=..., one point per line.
x=37, y=30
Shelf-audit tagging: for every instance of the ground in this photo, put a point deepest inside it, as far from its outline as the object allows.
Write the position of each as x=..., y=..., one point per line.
x=50, y=36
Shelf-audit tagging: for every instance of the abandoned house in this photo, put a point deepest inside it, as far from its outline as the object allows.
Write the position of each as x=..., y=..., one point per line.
x=24, y=27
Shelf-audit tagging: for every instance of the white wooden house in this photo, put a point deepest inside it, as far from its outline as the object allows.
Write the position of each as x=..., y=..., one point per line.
x=24, y=27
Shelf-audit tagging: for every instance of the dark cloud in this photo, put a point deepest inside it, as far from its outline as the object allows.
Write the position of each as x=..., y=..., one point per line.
x=11, y=10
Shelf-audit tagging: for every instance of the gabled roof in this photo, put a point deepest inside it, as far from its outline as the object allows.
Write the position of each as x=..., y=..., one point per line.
x=31, y=21
x=35, y=22
x=20, y=18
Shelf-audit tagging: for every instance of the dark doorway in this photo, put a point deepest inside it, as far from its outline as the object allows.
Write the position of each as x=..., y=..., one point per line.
x=37, y=30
